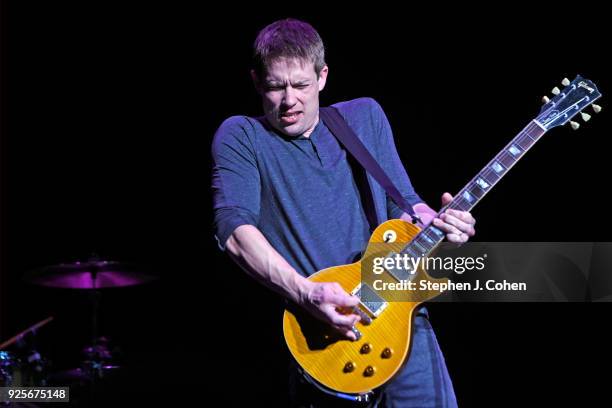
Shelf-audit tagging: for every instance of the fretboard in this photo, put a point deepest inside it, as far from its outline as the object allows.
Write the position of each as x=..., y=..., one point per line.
x=478, y=187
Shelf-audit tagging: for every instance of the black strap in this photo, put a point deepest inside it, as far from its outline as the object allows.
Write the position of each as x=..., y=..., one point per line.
x=347, y=137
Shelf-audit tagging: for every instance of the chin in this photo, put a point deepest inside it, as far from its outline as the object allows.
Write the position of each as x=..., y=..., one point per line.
x=292, y=130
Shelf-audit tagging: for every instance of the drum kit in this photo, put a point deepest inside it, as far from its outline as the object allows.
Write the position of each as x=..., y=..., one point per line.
x=22, y=366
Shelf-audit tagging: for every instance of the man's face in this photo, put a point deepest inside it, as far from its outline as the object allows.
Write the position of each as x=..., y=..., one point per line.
x=290, y=94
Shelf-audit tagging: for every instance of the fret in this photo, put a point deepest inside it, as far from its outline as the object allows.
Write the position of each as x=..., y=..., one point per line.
x=497, y=168
x=490, y=176
x=426, y=242
x=506, y=159
x=473, y=192
x=425, y=236
x=527, y=134
x=495, y=171
x=433, y=235
x=453, y=205
x=515, y=151
x=419, y=249
x=534, y=134
x=528, y=140
x=524, y=142
x=423, y=244
x=482, y=183
x=409, y=250
x=468, y=198
x=437, y=232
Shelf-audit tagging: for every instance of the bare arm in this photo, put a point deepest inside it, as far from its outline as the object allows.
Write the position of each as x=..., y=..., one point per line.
x=248, y=247
x=251, y=250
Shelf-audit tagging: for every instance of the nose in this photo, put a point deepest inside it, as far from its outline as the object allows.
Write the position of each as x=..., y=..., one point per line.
x=290, y=97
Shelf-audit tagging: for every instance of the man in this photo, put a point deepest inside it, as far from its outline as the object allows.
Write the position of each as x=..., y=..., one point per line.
x=286, y=203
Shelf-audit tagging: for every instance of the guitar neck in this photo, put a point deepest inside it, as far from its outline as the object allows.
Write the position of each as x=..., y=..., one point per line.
x=497, y=168
x=479, y=186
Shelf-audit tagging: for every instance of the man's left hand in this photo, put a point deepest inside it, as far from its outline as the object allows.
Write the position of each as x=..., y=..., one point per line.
x=458, y=225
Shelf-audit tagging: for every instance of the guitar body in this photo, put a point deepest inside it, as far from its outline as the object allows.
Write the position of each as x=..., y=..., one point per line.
x=324, y=354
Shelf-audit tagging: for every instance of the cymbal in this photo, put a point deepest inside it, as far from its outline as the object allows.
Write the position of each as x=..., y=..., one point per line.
x=91, y=274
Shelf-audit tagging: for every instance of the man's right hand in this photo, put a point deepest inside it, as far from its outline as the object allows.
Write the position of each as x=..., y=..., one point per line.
x=325, y=300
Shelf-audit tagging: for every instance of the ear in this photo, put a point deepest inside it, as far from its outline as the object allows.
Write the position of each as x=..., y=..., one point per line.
x=323, y=77
x=256, y=81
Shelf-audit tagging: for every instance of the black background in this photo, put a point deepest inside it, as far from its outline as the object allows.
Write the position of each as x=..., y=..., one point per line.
x=109, y=112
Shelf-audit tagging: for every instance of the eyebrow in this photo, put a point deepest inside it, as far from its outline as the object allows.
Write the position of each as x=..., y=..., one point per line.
x=275, y=82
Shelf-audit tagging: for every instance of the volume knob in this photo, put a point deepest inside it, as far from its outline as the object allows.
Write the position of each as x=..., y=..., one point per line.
x=386, y=353
x=365, y=349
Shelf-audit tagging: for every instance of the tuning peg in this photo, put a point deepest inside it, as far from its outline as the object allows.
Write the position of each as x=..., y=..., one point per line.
x=596, y=108
x=574, y=125
x=585, y=116
x=545, y=99
x=565, y=82
x=555, y=91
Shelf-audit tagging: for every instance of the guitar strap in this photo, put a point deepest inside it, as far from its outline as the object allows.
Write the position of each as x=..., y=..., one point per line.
x=361, y=161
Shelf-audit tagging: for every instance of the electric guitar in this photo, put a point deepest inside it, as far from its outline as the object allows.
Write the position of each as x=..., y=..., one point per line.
x=384, y=330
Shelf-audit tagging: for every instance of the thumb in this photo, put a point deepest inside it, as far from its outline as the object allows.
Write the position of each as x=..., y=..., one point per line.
x=446, y=199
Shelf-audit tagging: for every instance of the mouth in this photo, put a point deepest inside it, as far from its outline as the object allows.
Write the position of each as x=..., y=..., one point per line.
x=289, y=118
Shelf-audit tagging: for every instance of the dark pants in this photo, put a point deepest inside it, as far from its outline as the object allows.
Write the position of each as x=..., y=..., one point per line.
x=422, y=382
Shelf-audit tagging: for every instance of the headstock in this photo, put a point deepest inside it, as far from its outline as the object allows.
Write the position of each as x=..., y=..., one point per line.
x=576, y=96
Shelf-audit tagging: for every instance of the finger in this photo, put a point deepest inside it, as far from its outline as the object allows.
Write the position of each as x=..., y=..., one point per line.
x=342, y=299
x=464, y=216
x=458, y=223
x=348, y=333
x=453, y=234
x=454, y=238
x=446, y=227
x=446, y=198
x=461, y=238
x=338, y=319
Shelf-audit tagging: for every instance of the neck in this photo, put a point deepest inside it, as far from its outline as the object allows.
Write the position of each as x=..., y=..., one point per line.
x=311, y=129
